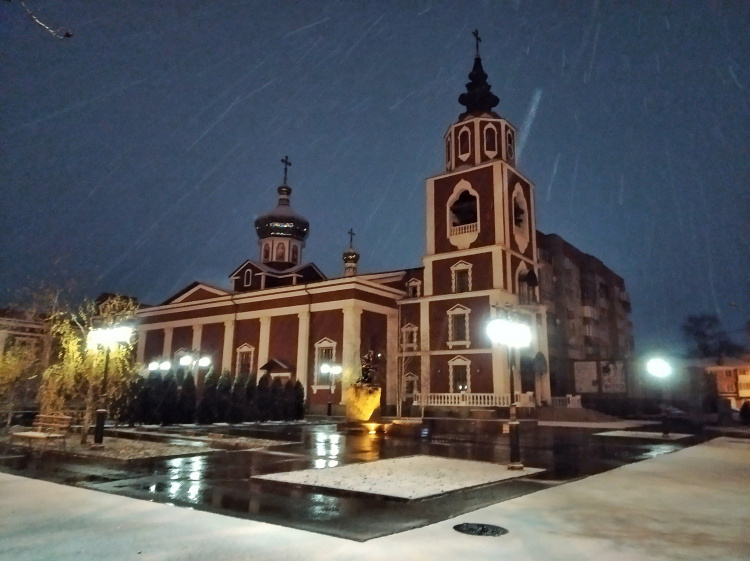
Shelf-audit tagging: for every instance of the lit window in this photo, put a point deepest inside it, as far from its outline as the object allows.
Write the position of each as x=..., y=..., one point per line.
x=459, y=374
x=266, y=252
x=458, y=326
x=248, y=277
x=461, y=277
x=409, y=335
x=448, y=152
x=295, y=254
x=325, y=353
x=280, y=252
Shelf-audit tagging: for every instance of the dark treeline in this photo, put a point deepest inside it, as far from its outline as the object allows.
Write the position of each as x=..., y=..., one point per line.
x=172, y=398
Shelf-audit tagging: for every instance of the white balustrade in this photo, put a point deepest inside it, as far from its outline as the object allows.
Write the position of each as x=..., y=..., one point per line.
x=464, y=229
x=473, y=400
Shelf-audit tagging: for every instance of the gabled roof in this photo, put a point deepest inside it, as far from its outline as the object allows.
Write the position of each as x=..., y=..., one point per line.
x=271, y=270
x=196, y=291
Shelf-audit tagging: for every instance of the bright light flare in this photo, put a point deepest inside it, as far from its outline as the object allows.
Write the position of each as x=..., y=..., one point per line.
x=108, y=337
x=186, y=360
x=166, y=365
x=509, y=333
x=153, y=366
x=204, y=361
x=336, y=370
x=325, y=368
x=658, y=367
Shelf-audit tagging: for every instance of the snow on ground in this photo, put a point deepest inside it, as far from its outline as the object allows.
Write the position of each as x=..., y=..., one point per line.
x=411, y=477
x=614, y=425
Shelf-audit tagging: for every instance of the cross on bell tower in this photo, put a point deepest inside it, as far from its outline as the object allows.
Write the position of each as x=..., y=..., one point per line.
x=351, y=257
x=287, y=164
x=477, y=39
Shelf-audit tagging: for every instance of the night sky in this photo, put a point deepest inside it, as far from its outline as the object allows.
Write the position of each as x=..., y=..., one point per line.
x=135, y=156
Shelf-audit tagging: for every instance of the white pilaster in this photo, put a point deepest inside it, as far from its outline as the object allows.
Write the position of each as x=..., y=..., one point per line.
x=226, y=355
x=264, y=340
x=424, y=346
x=350, y=360
x=197, y=335
x=167, y=348
x=391, y=353
x=303, y=347
x=140, y=345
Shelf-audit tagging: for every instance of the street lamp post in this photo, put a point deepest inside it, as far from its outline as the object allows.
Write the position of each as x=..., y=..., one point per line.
x=660, y=368
x=514, y=335
x=332, y=370
x=109, y=338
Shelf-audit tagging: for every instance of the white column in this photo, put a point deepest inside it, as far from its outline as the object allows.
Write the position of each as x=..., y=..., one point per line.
x=167, y=348
x=197, y=334
x=391, y=351
x=303, y=347
x=542, y=389
x=424, y=348
x=226, y=355
x=140, y=345
x=265, y=340
x=350, y=359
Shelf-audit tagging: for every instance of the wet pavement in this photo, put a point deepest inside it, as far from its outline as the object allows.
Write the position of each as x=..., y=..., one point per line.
x=222, y=482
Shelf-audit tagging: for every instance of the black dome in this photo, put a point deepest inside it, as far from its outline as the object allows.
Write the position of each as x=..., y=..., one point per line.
x=282, y=221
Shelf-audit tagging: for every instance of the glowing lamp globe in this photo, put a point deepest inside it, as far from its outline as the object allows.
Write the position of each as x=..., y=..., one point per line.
x=658, y=367
x=509, y=333
x=204, y=361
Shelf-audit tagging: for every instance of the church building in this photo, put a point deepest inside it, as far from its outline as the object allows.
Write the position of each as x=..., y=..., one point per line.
x=425, y=325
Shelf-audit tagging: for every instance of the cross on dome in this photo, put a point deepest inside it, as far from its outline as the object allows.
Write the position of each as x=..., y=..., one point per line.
x=287, y=164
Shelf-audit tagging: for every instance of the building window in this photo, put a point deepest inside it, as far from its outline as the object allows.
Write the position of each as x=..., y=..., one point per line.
x=459, y=374
x=295, y=254
x=448, y=152
x=325, y=352
x=409, y=337
x=520, y=218
x=248, y=277
x=280, y=252
x=490, y=141
x=464, y=144
x=463, y=214
x=510, y=149
x=458, y=326
x=413, y=288
x=461, y=277
x=266, y=252
x=245, y=357
x=411, y=385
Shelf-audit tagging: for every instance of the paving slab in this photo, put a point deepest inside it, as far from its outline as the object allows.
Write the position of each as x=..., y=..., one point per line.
x=598, y=424
x=409, y=477
x=687, y=505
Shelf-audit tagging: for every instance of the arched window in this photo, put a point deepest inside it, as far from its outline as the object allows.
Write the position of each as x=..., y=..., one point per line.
x=521, y=222
x=464, y=144
x=490, y=141
x=464, y=210
x=295, y=254
x=459, y=374
x=448, y=152
x=280, y=252
x=248, y=277
x=266, y=252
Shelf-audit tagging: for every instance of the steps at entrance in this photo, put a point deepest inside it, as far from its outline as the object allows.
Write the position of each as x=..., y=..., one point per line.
x=571, y=414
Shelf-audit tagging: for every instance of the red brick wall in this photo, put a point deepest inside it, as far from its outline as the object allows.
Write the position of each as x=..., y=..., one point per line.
x=481, y=272
x=478, y=318
x=283, y=343
x=182, y=338
x=154, y=345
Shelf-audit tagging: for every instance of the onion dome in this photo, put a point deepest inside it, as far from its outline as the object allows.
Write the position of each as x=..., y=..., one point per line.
x=478, y=98
x=282, y=221
x=351, y=256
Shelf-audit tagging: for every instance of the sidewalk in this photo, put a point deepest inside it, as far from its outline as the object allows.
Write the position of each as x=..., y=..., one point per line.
x=691, y=504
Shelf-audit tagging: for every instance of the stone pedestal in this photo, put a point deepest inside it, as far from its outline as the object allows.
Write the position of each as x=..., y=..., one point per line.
x=362, y=401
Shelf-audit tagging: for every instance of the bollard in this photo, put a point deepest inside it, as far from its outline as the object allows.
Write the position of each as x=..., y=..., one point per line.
x=101, y=415
x=515, y=446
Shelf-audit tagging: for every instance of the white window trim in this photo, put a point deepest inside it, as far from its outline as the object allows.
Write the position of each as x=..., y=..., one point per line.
x=461, y=361
x=244, y=348
x=510, y=148
x=409, y=337
x=456, y=310
x=490, y=153
x=521, y=233
x=324, y=343
x=462, y=236
x=461, y=155
x=416, y=283
x=460, y=266
x=410, y=377
x=248, y=277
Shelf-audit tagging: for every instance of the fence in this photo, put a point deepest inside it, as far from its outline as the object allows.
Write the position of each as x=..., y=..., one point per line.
x=464, y=399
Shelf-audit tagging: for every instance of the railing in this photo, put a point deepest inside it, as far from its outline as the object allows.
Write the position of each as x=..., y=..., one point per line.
x=464, y=229
x=567, y=401
x=473, y=399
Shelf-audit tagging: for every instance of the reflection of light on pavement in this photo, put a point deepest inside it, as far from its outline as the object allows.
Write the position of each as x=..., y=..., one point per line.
x=327, y=445
x=152, y=489
x=174, y=488
x=193, y=491
x=320, y=464
x=332, y=463
x=175, y=462
x=195, y=475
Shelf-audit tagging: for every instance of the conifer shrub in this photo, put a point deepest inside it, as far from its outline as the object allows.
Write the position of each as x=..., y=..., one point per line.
x=251, y=405
x=168, y=408
x=263, y=397
x=299, y=401
x=205, y=413
x=277, y=400
x=187, y=400
x=224, y=397
x=237, y=411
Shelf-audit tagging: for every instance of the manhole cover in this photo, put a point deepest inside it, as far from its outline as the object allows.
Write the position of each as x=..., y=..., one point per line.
x=480, y=529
